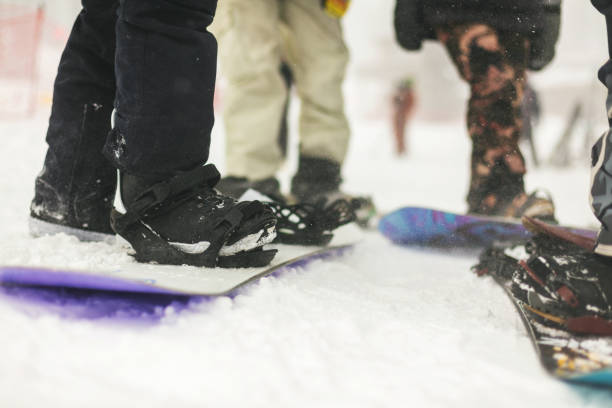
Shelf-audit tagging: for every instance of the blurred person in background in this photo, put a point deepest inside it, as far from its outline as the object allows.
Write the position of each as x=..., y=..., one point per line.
x=255, y=38
x=403, y=102
x=492, y=44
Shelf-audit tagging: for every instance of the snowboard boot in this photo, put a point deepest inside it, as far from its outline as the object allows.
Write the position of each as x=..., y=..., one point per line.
x=298, y=224
x=182, y=219
x=317, y=182
x=85, y=215
x=502, y=194
x=73, y=193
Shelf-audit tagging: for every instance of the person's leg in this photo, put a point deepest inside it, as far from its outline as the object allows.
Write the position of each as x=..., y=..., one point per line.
x=76, y=185
x=494, y=66
x=166, y=67
x=165, y=204
x=318, y=57
x=250, y=55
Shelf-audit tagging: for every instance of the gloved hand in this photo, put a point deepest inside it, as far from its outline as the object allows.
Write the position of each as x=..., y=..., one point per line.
x=335, y=8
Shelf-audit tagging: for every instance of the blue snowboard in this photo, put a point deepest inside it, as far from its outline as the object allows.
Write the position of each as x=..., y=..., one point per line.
x=426, y=227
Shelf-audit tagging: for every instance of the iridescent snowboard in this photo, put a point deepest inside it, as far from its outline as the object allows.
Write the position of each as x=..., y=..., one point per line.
x=426, y=227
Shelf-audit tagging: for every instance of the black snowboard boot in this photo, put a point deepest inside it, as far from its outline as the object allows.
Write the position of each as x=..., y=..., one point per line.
x=74, y=191
x=184, y=220
x=81, y=213
x=317, y=182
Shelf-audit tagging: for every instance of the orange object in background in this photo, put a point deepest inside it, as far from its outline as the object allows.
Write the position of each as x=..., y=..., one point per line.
x=404, y=101
x=336, y=8
x=20, y=34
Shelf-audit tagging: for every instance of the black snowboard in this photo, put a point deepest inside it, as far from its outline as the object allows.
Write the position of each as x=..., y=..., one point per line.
x=563, y=353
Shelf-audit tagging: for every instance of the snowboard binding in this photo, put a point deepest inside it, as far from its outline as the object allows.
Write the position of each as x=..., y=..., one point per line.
x=301, y=223
x=183, y=220
x=558, y=281
x=307, y=224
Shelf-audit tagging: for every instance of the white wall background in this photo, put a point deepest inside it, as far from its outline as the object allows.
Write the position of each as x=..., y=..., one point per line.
x=378, y=62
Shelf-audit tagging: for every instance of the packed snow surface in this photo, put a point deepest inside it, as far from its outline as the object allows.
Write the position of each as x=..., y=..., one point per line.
x=381, y=326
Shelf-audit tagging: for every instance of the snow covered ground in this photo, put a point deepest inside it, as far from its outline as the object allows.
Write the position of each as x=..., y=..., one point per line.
x=383, y=326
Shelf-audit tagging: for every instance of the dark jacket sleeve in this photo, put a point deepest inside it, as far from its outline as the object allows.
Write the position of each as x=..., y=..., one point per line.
x=605, y=72
x=604, y=6
x=544, y=37
x=409, y=25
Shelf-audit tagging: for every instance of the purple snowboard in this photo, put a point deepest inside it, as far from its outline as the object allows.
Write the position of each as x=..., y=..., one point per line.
x=76, y=294
x=415, y=226
x=48, y=277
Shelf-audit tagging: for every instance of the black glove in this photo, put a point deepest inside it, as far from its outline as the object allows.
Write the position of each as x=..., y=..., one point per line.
x=409, y=24
x=544, y=39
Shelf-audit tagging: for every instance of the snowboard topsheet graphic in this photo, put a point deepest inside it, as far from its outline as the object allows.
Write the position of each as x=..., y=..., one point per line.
x=564, y=354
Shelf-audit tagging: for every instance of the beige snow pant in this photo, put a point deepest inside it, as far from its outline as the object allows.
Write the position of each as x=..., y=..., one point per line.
x=253, y=36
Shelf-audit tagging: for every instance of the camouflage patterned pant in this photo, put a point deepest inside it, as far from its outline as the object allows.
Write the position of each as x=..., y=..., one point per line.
x=494, y=66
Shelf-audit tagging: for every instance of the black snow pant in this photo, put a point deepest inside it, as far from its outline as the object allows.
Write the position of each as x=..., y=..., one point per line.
x=154, y=63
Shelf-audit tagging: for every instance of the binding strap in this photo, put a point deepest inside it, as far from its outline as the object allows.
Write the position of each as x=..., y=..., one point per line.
x=171, y=192
x=306, y=224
